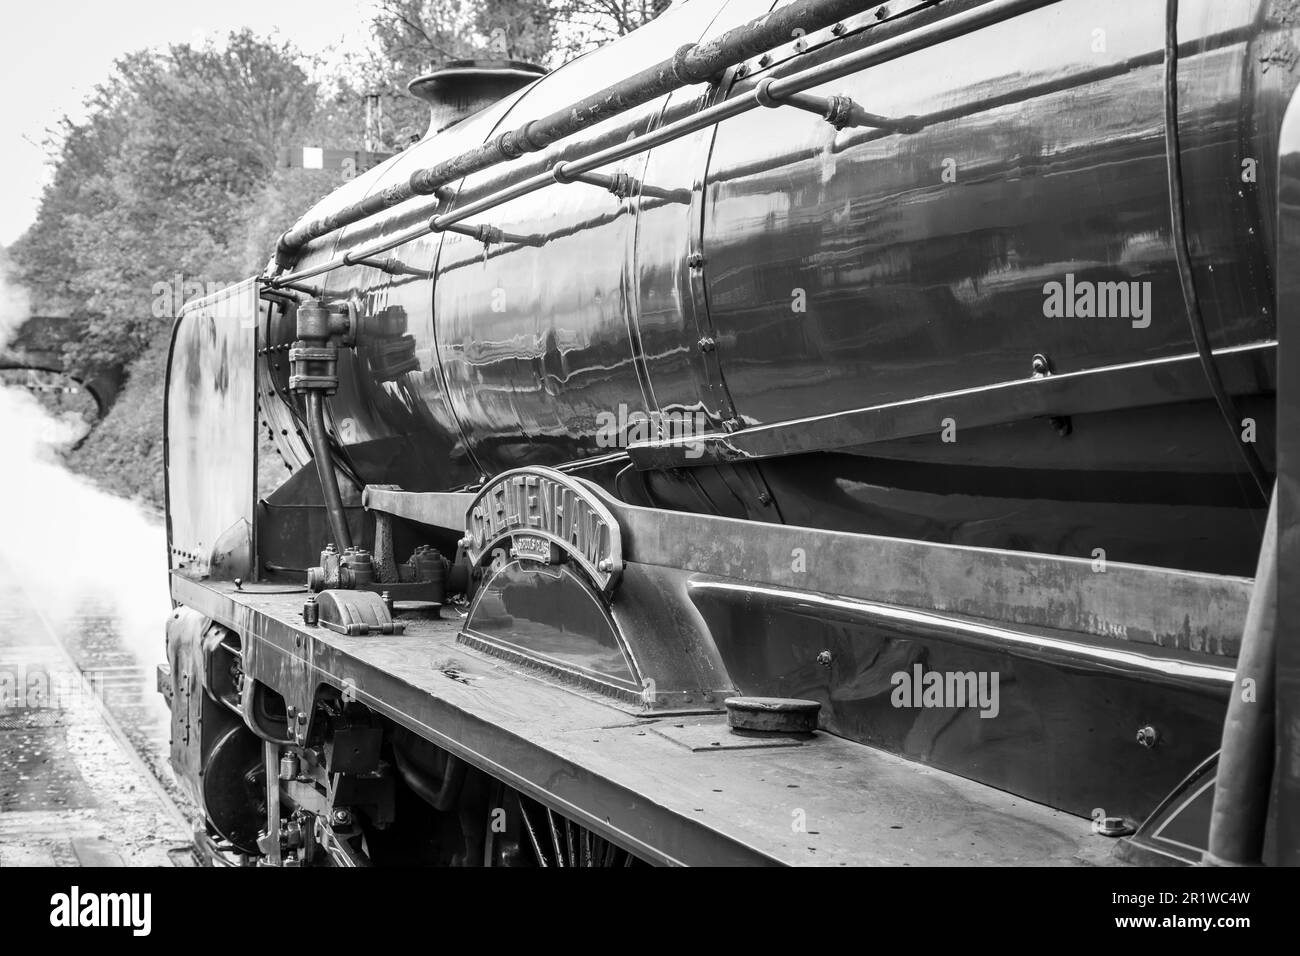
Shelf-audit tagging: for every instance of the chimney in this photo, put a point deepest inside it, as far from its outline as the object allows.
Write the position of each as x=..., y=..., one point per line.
x=460, y=88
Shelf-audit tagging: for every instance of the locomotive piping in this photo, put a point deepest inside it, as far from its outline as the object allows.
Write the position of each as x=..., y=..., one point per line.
x=329, y=483
x=690, y=64
x=922, y=37
x=1182, y=254
x=439, y=794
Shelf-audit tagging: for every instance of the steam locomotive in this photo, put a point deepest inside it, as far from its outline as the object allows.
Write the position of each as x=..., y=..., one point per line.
x=848, y=437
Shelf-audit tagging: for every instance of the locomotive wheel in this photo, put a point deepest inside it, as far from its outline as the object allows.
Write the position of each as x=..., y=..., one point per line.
x=234, y=788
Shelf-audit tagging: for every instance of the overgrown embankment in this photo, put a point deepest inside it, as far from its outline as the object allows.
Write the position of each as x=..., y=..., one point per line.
x=124, y=452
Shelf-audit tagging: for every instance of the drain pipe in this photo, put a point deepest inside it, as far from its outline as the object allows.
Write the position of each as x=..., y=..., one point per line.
x=1244, y=779
x=329, y=479
x=313, y=373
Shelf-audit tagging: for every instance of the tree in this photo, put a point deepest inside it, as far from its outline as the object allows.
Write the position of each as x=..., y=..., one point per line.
x=410, y=37
x=585, y=24
x=174, y=168
x=156, y=181
x=517, y=29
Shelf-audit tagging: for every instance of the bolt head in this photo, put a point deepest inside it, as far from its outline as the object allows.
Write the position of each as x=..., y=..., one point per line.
x=1114, y=827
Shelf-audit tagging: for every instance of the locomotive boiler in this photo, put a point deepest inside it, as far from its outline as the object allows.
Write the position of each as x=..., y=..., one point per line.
x=821, y=432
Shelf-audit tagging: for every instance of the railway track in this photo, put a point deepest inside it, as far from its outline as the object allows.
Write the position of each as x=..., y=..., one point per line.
x=83, y=743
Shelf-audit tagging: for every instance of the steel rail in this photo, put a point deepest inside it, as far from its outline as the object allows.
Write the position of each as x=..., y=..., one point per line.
x=923, y=37
x=690, y=64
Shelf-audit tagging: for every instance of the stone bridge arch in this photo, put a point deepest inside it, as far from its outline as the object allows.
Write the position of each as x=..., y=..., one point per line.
x=37, y=345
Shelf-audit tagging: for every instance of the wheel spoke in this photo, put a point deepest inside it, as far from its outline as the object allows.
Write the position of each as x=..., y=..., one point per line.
x=555, y=837
x=569, y=843
x=532, y=834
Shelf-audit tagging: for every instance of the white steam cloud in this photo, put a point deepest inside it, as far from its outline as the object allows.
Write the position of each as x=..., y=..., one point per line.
x=15, y=304
x=68, y=546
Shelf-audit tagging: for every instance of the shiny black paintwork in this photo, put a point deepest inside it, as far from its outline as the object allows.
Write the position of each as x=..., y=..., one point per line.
x=480, y=359
x=911, y=285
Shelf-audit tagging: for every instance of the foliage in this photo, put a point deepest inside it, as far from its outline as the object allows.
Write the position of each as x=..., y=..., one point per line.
x=411, y=36
x=174, y=169
x=158, y=180
x=589, y=23
x=124, y=452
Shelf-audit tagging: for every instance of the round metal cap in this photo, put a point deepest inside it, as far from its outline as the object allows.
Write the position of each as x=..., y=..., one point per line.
x=773, y=715
x=460, y=88
x=1114, y=827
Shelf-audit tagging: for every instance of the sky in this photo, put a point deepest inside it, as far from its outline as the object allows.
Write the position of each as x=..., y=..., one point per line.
x=56, y=51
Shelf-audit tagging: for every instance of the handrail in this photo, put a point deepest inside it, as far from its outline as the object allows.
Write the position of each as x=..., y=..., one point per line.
x=927, y=35
x=690, y=64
